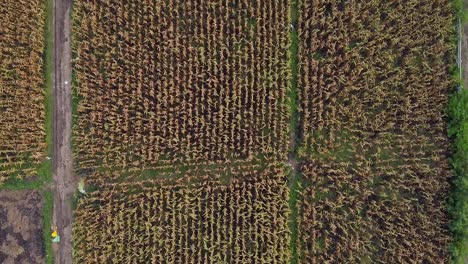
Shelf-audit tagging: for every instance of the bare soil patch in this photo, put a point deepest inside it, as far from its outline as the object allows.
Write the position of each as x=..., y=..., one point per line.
x=21, y=227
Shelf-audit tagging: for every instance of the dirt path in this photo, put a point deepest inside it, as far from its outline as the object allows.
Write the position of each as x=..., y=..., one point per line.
x=464, y=49
x=65, y=184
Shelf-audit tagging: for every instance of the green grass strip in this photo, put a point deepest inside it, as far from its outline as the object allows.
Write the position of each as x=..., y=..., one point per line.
x=458, y=133
x=458, y=201
x=18, y=184
x=48, y=68
x=45, y=171
x=47, y=218
x=294, y=128
x=460, y=11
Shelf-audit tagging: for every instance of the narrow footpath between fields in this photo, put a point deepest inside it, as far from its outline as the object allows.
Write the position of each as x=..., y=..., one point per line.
x=294, y=137
x=464, y=49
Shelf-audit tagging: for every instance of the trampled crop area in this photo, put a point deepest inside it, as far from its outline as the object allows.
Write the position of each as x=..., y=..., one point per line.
x=22, y=92
x=375, y=80
x=245, y=222
x=163, y=83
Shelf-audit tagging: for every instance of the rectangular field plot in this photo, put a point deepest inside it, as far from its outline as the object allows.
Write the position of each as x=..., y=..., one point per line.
x=373, y=68
x=373, y=216
x=244, y=222
x=375, y=80
x=22, y=92
x=21, y=227
x=163, y=83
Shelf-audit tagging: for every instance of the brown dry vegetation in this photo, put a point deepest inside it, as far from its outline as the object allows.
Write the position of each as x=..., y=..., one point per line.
x=22, y=93
x=193, y=91
x=244, y=222
x=179, y=82
x=192, y=94
x=373, y=215
x=375, y=83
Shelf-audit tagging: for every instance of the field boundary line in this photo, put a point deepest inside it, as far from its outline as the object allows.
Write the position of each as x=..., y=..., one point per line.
x=293, y=97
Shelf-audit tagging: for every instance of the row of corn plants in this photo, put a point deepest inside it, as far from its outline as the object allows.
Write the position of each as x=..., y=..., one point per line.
x=208, y=222
x=23, y=145
x=179, y=82
x=375, y=84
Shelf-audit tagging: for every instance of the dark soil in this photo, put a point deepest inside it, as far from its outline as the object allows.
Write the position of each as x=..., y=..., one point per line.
x=21, y=227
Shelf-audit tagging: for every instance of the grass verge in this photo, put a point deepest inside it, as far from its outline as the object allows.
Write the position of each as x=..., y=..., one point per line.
x=47, y=218
x=460, y=11
x=48, y=68
x=293, y=94
x=458, y=133
x=45, y=171
x=458, y=201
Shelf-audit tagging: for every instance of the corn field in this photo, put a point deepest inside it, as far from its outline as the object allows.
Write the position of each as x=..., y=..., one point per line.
x=182, y=126
x=375, y=80
x=245, y=222
x=179, y=82
x=378, y=215
x=22, y=93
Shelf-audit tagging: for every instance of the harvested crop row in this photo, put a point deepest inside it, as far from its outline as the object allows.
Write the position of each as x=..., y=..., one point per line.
x=22, y=93
x=179, y=82
x=244, y=222
x=375, y=80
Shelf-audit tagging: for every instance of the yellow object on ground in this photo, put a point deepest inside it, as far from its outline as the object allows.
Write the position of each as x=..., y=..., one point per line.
x=55, y=235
